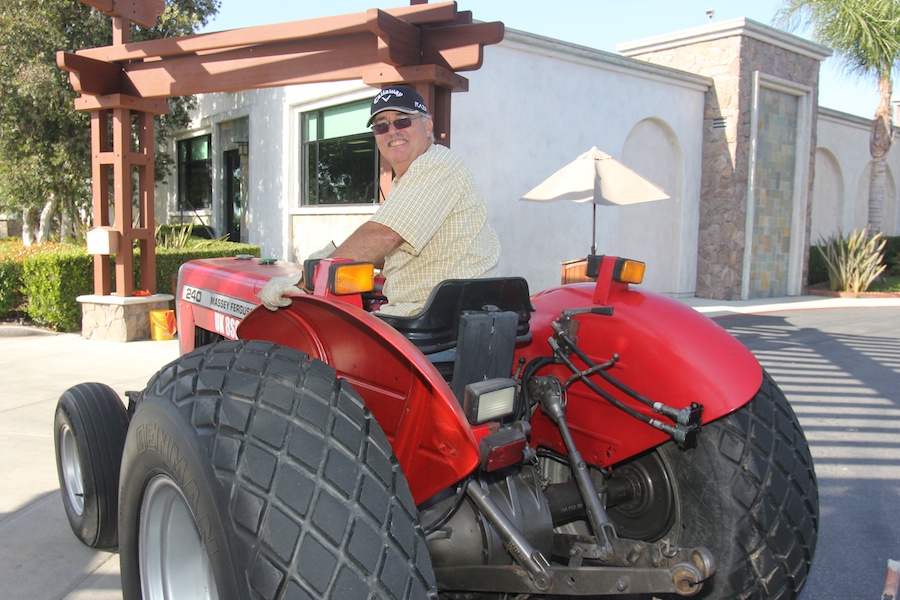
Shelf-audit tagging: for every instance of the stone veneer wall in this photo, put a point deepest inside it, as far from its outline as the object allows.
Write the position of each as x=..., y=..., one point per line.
x=116, y=319
x=730, y=53
x=773, y=194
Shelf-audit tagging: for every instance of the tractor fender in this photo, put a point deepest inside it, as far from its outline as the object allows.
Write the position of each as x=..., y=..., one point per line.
x=666, y=351
x=429, y=433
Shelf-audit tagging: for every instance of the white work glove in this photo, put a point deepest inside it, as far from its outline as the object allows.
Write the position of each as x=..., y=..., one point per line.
x=273, y=294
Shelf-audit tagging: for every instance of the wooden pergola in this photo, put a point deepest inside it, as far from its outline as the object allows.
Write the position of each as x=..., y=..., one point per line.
x=125, y=84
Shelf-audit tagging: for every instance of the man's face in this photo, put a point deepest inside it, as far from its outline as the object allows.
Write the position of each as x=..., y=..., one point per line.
x=402, y=146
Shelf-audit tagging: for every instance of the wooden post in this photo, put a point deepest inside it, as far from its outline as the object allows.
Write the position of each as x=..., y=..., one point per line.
x=143, y=159
x=131, y=121
x=100, y=194
x=122, y=155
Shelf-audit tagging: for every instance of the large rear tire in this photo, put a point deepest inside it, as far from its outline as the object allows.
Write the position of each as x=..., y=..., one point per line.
x=270, y=469
x=89, y=434
x=748, y=493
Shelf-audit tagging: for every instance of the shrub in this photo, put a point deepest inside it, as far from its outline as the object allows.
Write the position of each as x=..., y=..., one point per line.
x=853, y=262
x=892, y=254
x=45, y=280
x=166, y=232
x=10, y=285
x=12, y=255
x=184, y=236
x=169, y=260
x=818, y=268
x=52, y=281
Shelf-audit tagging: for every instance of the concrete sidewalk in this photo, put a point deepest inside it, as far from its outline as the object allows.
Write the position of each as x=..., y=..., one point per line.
x=40, y=558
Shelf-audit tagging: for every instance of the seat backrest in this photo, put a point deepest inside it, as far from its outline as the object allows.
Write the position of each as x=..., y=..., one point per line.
x=436, y=326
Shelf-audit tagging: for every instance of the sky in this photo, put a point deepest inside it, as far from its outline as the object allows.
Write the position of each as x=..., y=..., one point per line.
x=601, y=24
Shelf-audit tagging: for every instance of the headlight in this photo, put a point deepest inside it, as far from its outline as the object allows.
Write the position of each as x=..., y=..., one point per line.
x=489, y=400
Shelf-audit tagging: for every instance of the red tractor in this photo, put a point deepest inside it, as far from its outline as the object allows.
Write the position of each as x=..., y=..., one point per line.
x=590, y=440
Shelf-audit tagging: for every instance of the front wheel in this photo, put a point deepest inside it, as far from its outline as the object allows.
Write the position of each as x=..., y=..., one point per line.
x=251, y=471
x=747, y=492
x=88, y=434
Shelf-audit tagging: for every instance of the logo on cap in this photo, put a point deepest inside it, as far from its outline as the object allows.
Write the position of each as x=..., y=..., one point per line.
x=384, y=94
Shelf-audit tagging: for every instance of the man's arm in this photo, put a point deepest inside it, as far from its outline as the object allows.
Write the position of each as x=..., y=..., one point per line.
x=371, y=242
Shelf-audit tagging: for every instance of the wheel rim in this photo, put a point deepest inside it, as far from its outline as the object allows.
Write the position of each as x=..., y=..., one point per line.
x=173, y=559
x=71, y=470
x=651, y=510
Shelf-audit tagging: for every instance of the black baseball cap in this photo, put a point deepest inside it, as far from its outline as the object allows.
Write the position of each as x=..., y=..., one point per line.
x=401, y=98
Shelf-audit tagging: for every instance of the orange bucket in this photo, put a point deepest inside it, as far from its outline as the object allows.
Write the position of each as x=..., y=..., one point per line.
x=162, y=324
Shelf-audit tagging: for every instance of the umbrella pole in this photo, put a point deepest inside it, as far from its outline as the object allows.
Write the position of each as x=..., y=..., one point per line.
x=594, y=232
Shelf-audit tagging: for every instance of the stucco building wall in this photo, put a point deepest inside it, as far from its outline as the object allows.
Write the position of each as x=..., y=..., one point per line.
x=724, y=118
x=758, y=152
x=841, y=187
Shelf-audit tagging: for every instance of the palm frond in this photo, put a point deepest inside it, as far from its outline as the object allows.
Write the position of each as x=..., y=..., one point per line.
x=864, y=34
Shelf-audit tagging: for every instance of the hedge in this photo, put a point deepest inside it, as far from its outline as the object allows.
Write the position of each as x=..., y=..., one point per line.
x=51, y=282
x=169, y=260
x=12, y=256
x=10, y=286
x=47, y=283
x=892, y=254
x=818, y=268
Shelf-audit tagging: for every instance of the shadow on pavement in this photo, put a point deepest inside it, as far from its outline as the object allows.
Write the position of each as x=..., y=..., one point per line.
x=841, y=376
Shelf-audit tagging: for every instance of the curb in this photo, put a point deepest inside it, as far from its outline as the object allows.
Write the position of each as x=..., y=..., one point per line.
x=22, y=331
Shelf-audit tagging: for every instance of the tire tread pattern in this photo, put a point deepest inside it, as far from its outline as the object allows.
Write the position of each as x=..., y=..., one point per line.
x=769, y=512
x=99, y=422
x=314, y=490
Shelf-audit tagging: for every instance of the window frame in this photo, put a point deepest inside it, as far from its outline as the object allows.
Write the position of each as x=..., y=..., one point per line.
x=316, y=144
x=187, y=168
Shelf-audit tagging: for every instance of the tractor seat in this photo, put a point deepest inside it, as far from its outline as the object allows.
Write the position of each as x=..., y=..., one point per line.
x=436, y=326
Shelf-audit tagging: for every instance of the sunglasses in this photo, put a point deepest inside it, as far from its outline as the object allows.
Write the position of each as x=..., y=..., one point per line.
x=401, y=123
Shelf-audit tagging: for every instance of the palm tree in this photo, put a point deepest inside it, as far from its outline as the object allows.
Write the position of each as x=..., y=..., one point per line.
x=865, y=36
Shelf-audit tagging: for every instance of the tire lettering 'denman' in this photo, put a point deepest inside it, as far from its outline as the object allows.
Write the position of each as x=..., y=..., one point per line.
x=152, y=437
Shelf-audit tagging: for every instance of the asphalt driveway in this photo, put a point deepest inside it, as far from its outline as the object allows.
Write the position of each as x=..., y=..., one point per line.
x=840, y=369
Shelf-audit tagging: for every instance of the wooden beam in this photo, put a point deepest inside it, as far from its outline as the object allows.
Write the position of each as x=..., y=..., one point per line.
x=383, y=75
x=460, y=47
x=309, y=61
x=143, y=12
x=285, y=54
x=323, y=27
x=399, y=42
x=315, y=61
x=464, y=17
x=90, y=76
x=156, y=106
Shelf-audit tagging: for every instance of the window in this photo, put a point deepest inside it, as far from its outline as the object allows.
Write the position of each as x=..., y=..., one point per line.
x=194, y=174
x=339, y=157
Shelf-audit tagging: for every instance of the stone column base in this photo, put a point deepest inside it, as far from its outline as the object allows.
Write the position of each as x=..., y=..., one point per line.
x=117, y=319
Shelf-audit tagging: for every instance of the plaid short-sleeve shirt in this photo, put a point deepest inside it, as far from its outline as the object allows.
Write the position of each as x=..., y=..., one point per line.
x=442, y=217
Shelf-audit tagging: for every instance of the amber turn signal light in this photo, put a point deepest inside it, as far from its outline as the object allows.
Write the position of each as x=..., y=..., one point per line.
x=629, y=271
x=351, y=278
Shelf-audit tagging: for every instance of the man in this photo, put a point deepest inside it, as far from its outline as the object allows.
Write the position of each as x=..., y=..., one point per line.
x=433, y=224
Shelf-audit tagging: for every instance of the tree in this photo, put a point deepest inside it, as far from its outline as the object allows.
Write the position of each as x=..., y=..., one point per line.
x=45, y=144
x=865, y=36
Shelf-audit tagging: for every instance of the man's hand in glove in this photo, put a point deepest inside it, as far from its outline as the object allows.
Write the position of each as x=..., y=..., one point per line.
x=273, y=295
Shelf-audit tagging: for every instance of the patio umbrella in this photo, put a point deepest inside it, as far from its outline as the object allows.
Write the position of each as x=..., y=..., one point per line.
x=598, y=178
